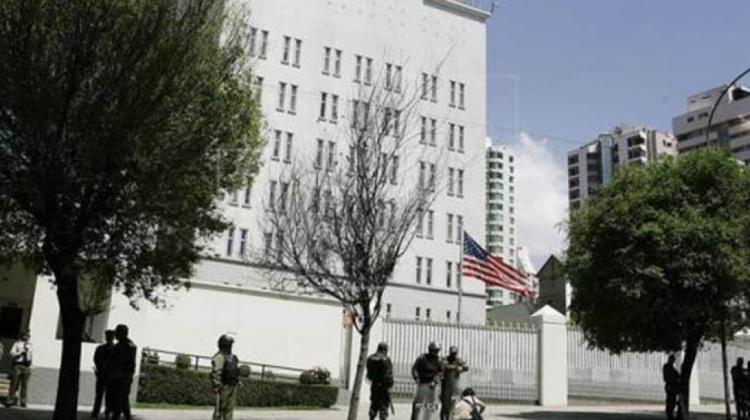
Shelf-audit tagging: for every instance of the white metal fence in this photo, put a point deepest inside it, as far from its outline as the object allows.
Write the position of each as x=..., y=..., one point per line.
x=596, y=374
x=502, y=361
x=710, y=375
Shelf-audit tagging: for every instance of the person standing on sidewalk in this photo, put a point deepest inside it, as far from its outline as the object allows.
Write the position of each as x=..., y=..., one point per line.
x=453, y=367
x=225, y=377
x=426, y=371
x=102, y=361
x=671, y=387
x=21, y=356
x=121, y=373
x=380, y=374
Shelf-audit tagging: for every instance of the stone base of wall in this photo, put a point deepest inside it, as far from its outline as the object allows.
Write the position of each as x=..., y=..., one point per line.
x=43, y=387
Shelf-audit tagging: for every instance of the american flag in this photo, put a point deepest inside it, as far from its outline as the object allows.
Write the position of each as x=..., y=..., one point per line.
x=482, y=265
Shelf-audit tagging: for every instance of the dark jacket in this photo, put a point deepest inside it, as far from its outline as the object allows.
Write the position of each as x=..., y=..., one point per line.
x=427, y=369
x=123, y=360
x=103, y=358
x=671, y=378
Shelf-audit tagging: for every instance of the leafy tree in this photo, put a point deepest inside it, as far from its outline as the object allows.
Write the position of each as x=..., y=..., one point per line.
x=121, y=123
x=661, y=256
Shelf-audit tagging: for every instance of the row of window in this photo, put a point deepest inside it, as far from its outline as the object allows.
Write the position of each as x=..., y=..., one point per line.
x=424, y=271
x=418, y=313
x=426, y=226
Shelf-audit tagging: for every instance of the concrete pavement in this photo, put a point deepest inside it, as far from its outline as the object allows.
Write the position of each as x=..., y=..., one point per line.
x=498, y=412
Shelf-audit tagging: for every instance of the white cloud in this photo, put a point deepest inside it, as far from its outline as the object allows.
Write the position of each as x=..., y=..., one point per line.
x=541, y=197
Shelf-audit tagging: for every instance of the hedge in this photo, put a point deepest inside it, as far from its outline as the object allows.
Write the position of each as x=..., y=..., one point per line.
x=167, y=385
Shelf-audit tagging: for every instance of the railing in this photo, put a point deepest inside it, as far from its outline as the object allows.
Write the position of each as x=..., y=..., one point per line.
x=261, y=371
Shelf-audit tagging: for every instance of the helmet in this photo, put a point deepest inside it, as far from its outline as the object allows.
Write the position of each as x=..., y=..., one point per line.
x=383, y=347
x=433, y=348
x=453, y=350
x=225, y=341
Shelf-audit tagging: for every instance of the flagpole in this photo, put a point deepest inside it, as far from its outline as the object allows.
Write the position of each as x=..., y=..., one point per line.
x=460, y=277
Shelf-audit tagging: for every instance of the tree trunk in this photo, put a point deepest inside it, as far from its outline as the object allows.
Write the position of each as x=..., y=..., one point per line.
x=72, y=319
x=364, y=344
x=691, y=353
x=725, y=367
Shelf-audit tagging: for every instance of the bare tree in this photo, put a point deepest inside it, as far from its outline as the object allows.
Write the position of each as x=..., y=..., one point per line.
x=340, y=229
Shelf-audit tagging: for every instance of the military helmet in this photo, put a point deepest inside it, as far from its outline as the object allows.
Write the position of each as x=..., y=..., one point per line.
x=433, y=348
x=225, y=341
x=453, y=350
x=383, y=347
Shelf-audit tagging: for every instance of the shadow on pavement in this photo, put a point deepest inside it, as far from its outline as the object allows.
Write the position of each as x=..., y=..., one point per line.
x=591, y=415
x=16, y=413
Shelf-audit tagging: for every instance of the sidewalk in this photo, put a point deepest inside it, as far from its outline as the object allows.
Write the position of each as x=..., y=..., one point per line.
x=501, y=412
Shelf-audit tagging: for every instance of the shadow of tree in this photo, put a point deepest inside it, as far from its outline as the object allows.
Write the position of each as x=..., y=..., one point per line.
x=592, y=415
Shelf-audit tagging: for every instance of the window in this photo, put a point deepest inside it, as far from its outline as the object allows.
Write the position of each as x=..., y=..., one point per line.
x=293, y=100
x=251, y=41
x=433, y=131
x=230, y=242
x=428, y=314
x=388, y=76
x=460, y=183
x=394, y=170
x=287, y=48
x=258, y=89
x=430, y=224
x=433, y=177
x=282, y=196
x=276, y=145
x=423, y=131
x=358, y=68
x=243, y=241
x=428, y=272
x=331, y=155
x=417, y=313
x=448, y=316
x=263, y=45
x=319, y=154
x=323, y=105
x=337, y=64
x=352, y=158
x=267, y=244
x=288, y=153
x=388, y=310
x=248, y=193
x=297, y=52
x=397, y=79
x=272, y=194
x=451, y=136
x=326, y=60
x=459, y=228
x=448, y=274
x=451, y=173
x=461, y=138
x=282, y=97
x=334, y=108
x=452, y=103
x=233, y=198
x=425, y=85
x=458, y=274
x=419, y=270
x=279, y=247
x=434, y=88
x=368, y=71
x=422, y=174
x=449, y=231
x=461, y=95
x=420, y=223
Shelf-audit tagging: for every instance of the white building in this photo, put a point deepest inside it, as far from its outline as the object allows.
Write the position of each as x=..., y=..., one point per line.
x=501, y=215
x=311, y=57
x=730, y=126
x=593, y=164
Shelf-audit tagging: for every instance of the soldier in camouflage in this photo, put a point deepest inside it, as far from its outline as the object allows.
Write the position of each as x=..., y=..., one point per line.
x=380, y=375
x=225, y=377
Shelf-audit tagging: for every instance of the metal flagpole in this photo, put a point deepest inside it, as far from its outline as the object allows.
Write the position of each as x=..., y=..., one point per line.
x=460, y=277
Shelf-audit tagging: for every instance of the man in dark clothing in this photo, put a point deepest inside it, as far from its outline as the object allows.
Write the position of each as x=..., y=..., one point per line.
x=453, y=367
x=426, y=371
x=225, y=378
x=738, y=386
x=102, y=359
x=122, y=369
x=671, y=387
x=380, y=374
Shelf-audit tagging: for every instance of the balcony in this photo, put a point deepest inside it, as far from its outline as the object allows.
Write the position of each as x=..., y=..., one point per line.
x=481, y=9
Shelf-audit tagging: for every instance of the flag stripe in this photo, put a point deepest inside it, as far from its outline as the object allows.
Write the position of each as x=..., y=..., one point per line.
x=480, y=264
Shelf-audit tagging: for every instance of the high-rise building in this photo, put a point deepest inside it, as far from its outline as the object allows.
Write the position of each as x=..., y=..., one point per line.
x=730, y=126
x=501, y=215
x=593, y=164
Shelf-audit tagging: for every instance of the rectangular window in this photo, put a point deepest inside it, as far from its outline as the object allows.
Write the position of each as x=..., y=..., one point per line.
x=394, y=170
x=352, y=158
x=417, y=313
x=448, y=274
x=388, y=310
x=388, y=76
x=287, y=48
x=368, y=71
x=434, y=88
x=425, y=85
x=459, y=228
x=420, y=223
x=433, y=131
x=233, y=198
x=453, y=94
x=252, y=40
x=276, y=145
x=331, y=155
x=422, y=174
x=323, y=105
x=272, y=194
x=461, y=138
x=288, y=153
x=433, y=177
x=461, y=95
x=448, y=316
x=267, y=244
x=337, y=64
x=430, y=224
x=358, y=68
x=419, y=270
x=428, y=314
x=319, y=154
x=258, y=89
x=243, y=241
x=458, y=274
x=230, y=242
x=423, y=131
x=451, y=136
x=460, y=189
x=396, y=122
x=283, y=195
x=248, y=193
x=279, y=247
x=451, y=176
x=282, y=97
x=449, y=231
x=297, y=52
x=264, y=45
x=293, y=100
x=428, y=272
x=334, y=108
x=326, y=60
x=397, y=79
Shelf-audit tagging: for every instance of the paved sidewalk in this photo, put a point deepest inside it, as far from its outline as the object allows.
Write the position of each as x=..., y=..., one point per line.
x=500, y=412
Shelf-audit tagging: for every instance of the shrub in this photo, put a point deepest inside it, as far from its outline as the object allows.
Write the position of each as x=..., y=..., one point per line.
x=150, y=358
x=166, y=385
x=182, y=361
x=315, y=376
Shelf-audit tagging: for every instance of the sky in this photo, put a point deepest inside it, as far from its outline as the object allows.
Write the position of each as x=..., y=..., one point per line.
x=562, y=71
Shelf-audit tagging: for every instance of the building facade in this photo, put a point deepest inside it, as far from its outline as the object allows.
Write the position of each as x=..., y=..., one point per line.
x=500, y=238
x=311, y=58
x=730, y=126
x=592, y=165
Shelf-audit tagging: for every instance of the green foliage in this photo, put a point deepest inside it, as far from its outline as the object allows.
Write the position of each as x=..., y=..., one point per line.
x=315, y=376
x=662, y=254
x=165, y=385
x=245, y=371
x=150, y=357
x=182, y=361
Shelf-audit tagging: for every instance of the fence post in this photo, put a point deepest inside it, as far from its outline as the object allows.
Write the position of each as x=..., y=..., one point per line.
x=553, y=357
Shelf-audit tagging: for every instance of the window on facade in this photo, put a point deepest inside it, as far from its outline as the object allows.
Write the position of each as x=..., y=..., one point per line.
x=461, y=95
x=334, y=108
x=422, y=174
x=434, y=88
x=397, y=79
x=448, y=274
x=430, y=224
x=252, y=41
x=326, y=60
x=272, y=194
x=248, y=192
x=453, y=94
x=420, y=223
x=451, y=136
x=419, y=270
x=451, y=176
x=358, y=68
x=428, y=314
x=449, y=226
x=297, y=52
x=276, y=145
x=388, y=310
x=417, y=313
x=282, y=97
x=459, y=228
x=433, y=177
x=448, y=316
x=319, y=154
x=233, y=197
x=428, y=271
x=433, y=131
x=323, y=105
x=425, y=85
x=263, y=45
x=243, y=241
x=394, y=170
x=288, y=153
x=293, y=100
x=460, y=181
x=283, y=193
x=267, y=244
x=460, y=138
x=423, y=130
x=337, y=64
x=230, y=242
x=331, y=155
x=287, y=48
x=368, y=71
x=388, y=76
x=258, y=89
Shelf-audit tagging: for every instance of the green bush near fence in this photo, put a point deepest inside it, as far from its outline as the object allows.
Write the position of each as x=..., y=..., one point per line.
x=167, y=385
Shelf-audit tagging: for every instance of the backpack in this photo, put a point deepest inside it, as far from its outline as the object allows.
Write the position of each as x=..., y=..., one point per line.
x=475, y=414
x=230, y=373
